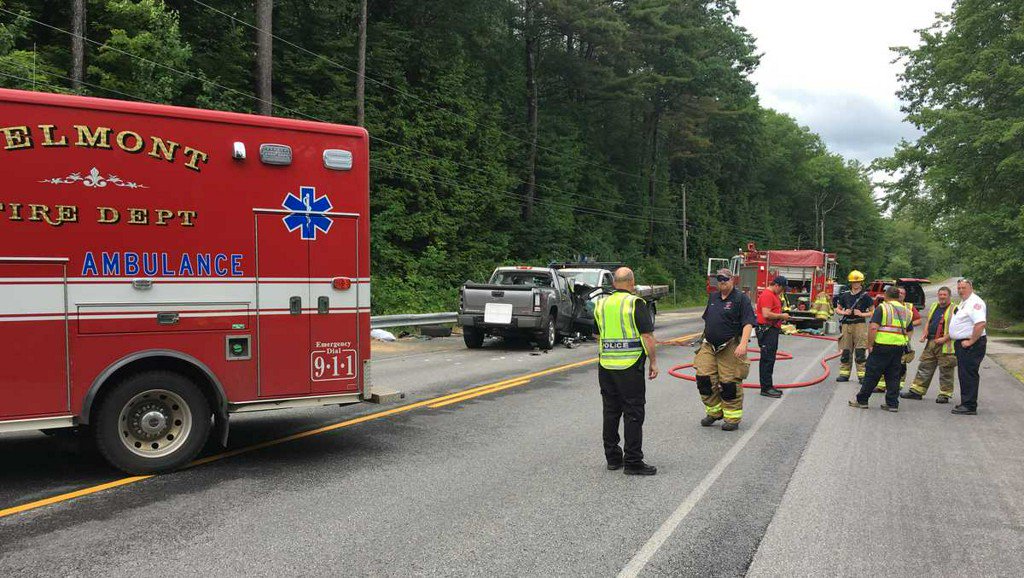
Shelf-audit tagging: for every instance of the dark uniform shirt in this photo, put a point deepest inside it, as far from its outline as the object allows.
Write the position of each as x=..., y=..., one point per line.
x=935, y=321
x=847, y=300
x=725, y=318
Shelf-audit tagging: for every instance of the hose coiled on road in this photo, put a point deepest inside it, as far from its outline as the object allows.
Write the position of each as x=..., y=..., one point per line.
x=677, y=371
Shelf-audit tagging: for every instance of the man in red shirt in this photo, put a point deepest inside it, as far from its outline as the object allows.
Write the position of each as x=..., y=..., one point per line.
x=769, y=319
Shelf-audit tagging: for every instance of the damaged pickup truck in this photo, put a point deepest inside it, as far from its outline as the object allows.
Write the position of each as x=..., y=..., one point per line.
x=532, y=302
x=593, y=275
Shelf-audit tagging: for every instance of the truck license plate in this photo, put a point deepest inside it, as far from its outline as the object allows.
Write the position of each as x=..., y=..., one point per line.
x=500, y=313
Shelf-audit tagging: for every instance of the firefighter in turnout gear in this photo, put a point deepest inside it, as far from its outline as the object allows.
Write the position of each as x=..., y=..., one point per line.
x=888, y=336
x=822, y=308
x=721, y=362
x=626, y=343
x=938, y=351
x=855, y=308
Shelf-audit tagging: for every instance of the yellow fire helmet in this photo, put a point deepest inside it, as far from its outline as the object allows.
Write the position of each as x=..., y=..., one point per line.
x=855, y=277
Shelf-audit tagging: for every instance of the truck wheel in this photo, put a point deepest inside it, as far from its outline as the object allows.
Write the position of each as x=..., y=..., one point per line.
x=152, y=422
x=654, y=313
x=473, y=337
x=550, y=335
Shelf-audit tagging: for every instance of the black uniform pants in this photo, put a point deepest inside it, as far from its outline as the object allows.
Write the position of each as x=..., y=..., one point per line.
x=885, y=360
x=968, y=363
x=623, y=393
x=768, y=341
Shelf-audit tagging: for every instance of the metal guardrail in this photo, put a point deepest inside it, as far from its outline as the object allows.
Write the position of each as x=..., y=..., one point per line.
x=385, y=321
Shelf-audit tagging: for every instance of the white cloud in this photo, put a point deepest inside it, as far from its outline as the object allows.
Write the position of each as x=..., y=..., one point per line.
x=828, y=63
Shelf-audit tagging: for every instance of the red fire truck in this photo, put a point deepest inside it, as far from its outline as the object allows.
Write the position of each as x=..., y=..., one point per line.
x=807, y=271
x=164, y=267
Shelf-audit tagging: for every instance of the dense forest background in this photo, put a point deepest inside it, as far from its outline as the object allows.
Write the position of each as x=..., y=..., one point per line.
x=508, y=131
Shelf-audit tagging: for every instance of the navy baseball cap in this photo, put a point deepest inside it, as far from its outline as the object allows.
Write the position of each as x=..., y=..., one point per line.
x=780, y=281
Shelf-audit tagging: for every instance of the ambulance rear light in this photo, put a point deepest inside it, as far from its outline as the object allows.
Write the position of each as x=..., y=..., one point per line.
x=338, y=160
x=536, y=302
x=341, y=283
x=523, y=267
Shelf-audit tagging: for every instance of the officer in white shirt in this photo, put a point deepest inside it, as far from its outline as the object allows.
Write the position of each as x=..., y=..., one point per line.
x=967, y=330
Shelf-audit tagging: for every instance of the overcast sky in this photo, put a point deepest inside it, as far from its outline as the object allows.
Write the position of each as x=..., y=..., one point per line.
x=828, y=63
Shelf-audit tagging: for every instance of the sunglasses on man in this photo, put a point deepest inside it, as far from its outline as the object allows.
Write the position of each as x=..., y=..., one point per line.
x=723, y=278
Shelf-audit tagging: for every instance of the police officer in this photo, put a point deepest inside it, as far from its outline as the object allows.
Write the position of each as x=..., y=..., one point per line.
x=626, y=342
x=721, y=362
x=769, y=321
x=908, y=353
x=967, y=329
x=855, y=307
x=938, y=351
x=888, y=337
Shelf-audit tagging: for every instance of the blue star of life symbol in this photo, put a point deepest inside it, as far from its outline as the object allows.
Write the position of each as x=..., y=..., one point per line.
x=308, y=215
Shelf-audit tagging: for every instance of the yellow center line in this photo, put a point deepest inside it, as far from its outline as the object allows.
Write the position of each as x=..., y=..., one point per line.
x=71, y=495
x=440, y=401
x=479, y=393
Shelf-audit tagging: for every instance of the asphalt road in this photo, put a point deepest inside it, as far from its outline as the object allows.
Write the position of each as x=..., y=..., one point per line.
x=512, y=483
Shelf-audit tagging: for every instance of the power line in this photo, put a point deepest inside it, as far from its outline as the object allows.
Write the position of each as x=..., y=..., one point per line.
x=153, y=62
x=84, y=83
x=655, y=220
x=587, y=210
x=419, y=98
x=244, y=94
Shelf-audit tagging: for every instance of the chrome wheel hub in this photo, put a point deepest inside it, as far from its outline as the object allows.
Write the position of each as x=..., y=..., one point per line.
x=155, y=423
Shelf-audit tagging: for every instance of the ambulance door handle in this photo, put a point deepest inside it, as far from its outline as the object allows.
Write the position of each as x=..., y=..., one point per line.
x=295, y=305
x=323, y=304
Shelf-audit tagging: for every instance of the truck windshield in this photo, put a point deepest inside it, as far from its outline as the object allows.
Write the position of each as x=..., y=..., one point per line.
x=527, y=278
x=591, y=278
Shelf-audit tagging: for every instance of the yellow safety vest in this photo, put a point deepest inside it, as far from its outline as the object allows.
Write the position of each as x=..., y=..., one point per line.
x=896, y=321
x=620, y=343
x=947, y=347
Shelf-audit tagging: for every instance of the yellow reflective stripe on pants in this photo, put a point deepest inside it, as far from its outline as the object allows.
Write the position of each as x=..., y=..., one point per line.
x=714, y=410
x=733, y=413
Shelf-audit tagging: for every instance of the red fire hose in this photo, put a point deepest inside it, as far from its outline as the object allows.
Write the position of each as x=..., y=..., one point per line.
x=677, y=371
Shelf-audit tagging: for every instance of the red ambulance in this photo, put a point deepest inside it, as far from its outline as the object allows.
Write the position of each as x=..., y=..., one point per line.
x=164, y=267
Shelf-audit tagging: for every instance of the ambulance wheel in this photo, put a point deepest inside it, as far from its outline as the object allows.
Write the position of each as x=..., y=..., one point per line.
x=473, y=337
x=152, y=422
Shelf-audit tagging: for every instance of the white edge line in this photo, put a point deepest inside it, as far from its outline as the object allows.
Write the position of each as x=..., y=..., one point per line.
x=649, y=549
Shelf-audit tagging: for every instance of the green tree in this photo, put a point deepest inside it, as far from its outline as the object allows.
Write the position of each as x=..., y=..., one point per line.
x=964, y=175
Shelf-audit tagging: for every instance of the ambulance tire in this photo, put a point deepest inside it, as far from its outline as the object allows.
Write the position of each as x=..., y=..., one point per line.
x=152, y=422
x=473, y=337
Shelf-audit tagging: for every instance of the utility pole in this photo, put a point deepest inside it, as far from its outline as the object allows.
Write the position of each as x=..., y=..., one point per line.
x=264, y=56
x=361, y=72
x=77, y=44
x=686, y=229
